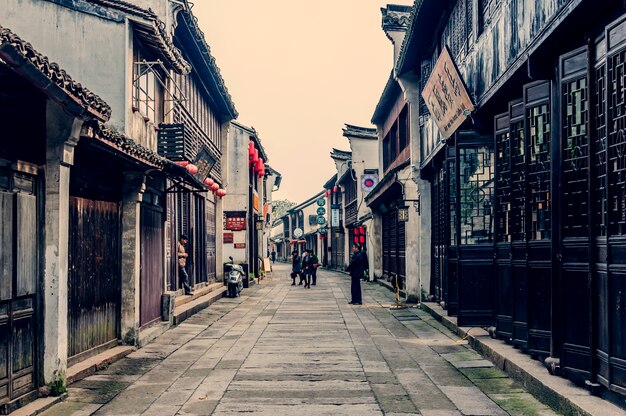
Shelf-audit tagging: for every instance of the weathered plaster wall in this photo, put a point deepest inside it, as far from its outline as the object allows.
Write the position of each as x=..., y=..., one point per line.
x=90, y=48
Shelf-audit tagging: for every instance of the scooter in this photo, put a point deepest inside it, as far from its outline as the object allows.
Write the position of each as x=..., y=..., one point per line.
x=234, y=280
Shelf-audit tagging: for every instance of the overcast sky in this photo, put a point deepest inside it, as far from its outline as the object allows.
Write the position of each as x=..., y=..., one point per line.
x=297, y=71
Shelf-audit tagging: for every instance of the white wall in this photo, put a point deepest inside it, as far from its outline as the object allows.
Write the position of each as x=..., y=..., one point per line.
x=91, y=49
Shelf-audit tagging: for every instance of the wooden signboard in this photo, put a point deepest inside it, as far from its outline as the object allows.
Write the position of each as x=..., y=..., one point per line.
x=446, y=97
x=267, y=267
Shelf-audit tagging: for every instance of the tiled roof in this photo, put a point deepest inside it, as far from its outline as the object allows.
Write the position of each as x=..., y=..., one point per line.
x=362, y=132
x=123, y=144
x=91, y=102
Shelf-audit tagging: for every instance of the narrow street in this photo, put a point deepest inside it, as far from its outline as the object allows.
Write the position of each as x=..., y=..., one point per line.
x=284, y=350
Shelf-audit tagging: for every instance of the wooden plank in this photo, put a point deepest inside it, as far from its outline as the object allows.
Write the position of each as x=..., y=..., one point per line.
x=6, y=245
x=27, y=259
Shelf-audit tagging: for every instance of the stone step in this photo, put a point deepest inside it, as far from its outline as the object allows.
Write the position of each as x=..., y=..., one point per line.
x=184, y=299
x=88, y=367
x=188, y=309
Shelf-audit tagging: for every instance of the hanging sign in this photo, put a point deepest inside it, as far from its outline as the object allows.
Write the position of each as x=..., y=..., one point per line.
x=368, y=182
x=235, y=220
x=321, y=211
x=321, y=202
x=446, y=97
x=334, y=217
x=321, y=220
x=298, y=232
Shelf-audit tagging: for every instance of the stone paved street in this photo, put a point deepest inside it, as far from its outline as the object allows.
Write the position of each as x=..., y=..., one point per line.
x=283, y=350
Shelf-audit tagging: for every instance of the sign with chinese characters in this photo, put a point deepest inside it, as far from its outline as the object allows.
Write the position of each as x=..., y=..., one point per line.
x=321, y=202
x=446, y=97
x=204, y=161
x=240, y=245
x=334, y=217
x=321, y=211
x=235, y=220
x=228, y=238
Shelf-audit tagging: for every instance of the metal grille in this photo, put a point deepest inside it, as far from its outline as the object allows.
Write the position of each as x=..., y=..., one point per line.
x=476, y=195
x=539, y=171
x=575, y=151
x=518, y=177
x=600, y=177
x=439, y=232
x=617, y=144
x=503, y=196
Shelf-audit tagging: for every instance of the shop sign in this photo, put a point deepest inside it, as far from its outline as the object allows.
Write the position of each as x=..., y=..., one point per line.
x=446, y=96
x=368, y=182
x=321, y=211
x=235, y=220
x=321, y=220
x=204, y=162
x=321, y=202
x=255, y=201
x=240, y=245
x=298, y=232
x=334, y=217
x=228, y=238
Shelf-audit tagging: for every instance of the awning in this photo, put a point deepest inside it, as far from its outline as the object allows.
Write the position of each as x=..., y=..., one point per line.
x=182, y=179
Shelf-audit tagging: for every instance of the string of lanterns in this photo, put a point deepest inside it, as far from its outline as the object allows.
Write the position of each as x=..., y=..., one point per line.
x=209, y=182
x=256, y=162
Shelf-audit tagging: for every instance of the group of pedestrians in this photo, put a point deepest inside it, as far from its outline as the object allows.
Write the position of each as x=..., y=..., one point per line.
x=305, y=267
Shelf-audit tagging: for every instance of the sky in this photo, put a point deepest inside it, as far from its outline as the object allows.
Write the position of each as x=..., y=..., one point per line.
x=297, y=72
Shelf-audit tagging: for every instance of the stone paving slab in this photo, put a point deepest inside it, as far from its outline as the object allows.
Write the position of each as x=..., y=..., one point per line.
x=283, y=350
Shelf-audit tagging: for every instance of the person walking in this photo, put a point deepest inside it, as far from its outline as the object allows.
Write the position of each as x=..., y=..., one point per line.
x=296, y=266
x=273, y=256
x=182, y=264
x=304, y=270
x=356, y=269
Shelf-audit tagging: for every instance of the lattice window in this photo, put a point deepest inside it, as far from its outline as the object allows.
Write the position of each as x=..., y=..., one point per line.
x=617, y=144
x=425, y=74
x=539, y=171
x=486, y=11
x=503, y=196
x=458, y=31
x=599, y=178
x=476, y=194
x=518, y=181
x=452, y=203
x=575, y=152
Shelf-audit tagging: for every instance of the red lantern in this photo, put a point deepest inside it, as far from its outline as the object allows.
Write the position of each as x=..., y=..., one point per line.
x=251, y=149
x=362, y=239
x=193, y=169
x=215, y=187
x=361, y=230
x=356, y=231
x=220, y=193
x=328, y=193
x=356, y=240
x=182, y=163
x=209, y=182
x=255, y=156
x=335, y=188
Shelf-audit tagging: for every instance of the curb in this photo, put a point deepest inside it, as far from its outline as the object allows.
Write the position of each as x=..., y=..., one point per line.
x=187, y=310
x=558, y=393
x=39, y=406
x=90, y=366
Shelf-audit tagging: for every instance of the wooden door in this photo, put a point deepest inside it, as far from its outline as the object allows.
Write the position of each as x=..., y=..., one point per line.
x=19, y=271
x=539, y=191
x=94, y=277
x=151, y=276
x=211, y=242
x=572, y=306
x=503, y=255
x=475, y=228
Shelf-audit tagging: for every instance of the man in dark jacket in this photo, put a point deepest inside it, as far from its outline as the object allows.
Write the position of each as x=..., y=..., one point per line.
x=356, y=268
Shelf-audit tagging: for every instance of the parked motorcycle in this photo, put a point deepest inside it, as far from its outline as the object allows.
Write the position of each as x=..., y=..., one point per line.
x=234, y=280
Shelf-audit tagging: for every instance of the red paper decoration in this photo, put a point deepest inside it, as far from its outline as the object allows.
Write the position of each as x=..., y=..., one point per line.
x=209, y=182
x=193, y=169
x=182, y=163
x=361, y=230
x=335, y=188
x=215, y=187
x=362, y=239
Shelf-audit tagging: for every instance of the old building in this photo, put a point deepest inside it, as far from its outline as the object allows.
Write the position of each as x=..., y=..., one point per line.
x=48, y=261
x=395, y=221
x=247, y=206
x=522, y=151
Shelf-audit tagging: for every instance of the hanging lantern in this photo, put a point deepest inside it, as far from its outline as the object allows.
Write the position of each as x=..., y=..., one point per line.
x=362, y=239
x=362, y=230
x=220, y=193
x=251, y=149
x=191, y=168
x=356, y=231
x=335, y=189
x=356, y=240
x=215, y=187
x=182, y=163
x=328, y=192
x=208, y=182
x=255, y=156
